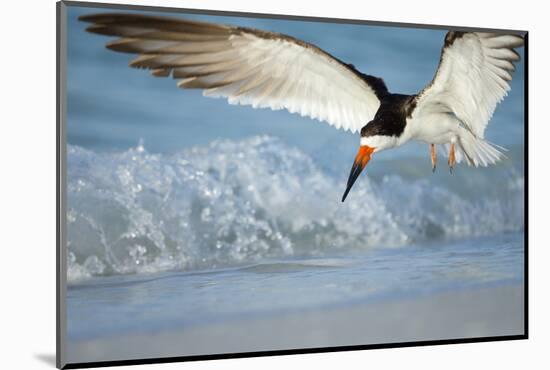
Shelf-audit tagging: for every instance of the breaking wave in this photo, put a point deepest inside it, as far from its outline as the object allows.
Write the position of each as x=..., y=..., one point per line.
x=235, y=202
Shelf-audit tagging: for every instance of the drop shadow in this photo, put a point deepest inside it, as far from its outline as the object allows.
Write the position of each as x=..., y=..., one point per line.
x=47, y=358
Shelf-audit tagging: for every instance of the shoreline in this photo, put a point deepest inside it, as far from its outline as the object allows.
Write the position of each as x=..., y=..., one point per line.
x=483, y=312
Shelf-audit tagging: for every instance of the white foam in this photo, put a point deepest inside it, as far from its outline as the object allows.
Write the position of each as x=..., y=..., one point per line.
x=240, y=202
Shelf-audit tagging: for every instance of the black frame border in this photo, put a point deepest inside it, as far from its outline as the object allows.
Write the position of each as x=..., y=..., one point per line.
x=61, y=190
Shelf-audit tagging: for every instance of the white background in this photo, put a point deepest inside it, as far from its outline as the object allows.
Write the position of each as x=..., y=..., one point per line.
x=27, y=207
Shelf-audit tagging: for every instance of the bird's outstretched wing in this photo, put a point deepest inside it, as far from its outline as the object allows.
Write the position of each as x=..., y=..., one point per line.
x=472, y=78
x=246, y=66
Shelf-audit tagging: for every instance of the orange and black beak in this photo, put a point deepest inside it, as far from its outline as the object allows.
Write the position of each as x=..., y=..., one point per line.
x=361, y=160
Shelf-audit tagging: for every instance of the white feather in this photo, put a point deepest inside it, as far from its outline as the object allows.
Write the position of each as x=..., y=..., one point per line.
x=472, y=78
x=246, y=66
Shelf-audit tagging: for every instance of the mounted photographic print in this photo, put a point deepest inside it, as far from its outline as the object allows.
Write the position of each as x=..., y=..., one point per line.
x=239, y=184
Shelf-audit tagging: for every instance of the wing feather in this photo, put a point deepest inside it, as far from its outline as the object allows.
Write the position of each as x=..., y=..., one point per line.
x=472, y=78
x=246, y=66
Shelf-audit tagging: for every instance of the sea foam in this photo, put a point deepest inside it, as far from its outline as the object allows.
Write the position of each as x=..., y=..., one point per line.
x=237, y=202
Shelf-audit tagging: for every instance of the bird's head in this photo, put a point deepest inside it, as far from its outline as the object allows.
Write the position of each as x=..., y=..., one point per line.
x=372, y=140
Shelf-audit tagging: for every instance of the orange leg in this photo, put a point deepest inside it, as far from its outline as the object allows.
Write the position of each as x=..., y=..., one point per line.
x=452, y=159
x=434, y=157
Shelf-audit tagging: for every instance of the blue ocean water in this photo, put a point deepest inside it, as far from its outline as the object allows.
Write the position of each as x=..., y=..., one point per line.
x=184, y=209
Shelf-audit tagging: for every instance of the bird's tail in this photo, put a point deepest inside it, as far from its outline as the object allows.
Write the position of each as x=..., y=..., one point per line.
x=478, y=152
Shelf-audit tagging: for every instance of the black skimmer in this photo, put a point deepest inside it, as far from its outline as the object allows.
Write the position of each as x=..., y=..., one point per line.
x=272, y=70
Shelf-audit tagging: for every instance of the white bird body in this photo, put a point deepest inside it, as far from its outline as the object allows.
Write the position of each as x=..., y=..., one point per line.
x=437, y=128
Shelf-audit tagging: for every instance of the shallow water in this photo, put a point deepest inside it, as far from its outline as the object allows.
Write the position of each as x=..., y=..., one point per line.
x=133, y=304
